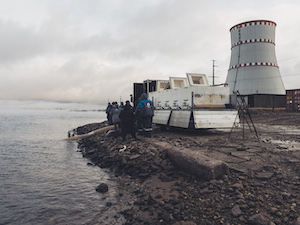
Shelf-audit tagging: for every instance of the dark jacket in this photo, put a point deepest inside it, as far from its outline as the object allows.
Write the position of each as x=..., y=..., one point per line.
x=127, y=120
x=126, y=115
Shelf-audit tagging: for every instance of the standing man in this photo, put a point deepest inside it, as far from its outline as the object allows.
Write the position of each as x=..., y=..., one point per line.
x=115, y=111
x=108, y=108
x=144, y=113
x=127, y=121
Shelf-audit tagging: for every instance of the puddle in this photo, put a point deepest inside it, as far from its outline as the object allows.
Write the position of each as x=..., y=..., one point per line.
x=287, y=145
x=293, y=144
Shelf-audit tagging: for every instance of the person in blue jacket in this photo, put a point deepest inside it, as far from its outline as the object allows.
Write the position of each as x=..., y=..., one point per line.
x=108, y=108
x=144, y=113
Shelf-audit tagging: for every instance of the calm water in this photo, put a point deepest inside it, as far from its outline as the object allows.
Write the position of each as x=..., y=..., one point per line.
x=44, y=179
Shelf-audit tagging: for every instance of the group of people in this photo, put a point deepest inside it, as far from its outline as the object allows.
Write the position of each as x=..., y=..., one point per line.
x=124, y=117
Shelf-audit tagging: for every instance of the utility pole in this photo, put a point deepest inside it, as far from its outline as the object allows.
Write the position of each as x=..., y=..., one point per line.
x=214, y=72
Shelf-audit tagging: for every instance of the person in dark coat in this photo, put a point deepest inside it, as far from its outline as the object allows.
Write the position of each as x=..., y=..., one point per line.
x=127, y=121
x=108, y=108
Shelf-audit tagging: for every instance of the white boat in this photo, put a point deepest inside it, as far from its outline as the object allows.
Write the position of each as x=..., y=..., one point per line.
x=189, y=102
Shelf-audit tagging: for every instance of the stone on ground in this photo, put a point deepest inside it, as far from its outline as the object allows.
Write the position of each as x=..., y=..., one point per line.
x=195, y=162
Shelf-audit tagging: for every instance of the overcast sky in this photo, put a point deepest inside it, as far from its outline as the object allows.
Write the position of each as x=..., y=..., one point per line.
x=94, y=50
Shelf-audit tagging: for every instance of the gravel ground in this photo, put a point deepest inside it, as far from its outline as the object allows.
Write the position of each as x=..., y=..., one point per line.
x=261, y=187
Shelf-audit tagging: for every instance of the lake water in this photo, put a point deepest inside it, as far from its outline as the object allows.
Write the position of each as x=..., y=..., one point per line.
x=43, y=178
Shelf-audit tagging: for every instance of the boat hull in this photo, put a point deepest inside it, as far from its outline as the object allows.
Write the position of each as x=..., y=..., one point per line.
x=197, y=119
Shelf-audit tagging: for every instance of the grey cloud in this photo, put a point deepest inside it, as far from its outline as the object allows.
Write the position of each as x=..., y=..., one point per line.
x=94, y=50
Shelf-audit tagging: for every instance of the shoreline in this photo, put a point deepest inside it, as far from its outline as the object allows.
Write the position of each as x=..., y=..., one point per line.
x=262, y=182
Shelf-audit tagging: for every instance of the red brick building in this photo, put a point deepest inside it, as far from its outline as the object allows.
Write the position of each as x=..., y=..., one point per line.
x=293, y=100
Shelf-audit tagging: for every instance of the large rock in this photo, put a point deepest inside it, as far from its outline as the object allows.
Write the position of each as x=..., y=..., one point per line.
x=236, y=211
x=194, y=162
x=260, y=219
x=185, y=223
x=297, y=222
x=102, y=188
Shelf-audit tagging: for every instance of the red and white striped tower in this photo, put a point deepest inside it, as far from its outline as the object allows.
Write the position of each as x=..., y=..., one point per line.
x=253, y=66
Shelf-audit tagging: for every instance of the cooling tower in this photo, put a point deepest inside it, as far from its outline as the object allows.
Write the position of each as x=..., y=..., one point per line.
x=253, y=66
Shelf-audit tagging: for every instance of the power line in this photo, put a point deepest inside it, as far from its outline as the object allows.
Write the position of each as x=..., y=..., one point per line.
x=213, y=76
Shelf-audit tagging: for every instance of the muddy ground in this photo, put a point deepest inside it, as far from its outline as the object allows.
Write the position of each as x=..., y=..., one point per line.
x=261, y=187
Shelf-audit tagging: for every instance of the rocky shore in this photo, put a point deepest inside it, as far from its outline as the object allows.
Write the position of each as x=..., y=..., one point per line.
x=261, y=186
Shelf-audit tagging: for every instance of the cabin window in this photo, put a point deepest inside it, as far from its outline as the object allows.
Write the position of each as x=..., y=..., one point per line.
x=179, y=83
x=163, y=85
x=197, y=80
